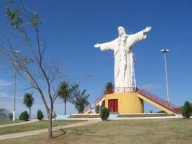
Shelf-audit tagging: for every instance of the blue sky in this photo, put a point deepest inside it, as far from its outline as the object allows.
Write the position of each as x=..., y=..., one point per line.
x=73, y=27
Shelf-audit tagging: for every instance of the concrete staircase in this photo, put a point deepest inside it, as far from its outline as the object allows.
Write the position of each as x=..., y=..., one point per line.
x=113, y=116
x=61, y=117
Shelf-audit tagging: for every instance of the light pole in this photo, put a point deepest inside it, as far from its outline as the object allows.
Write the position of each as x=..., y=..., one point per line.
x=14, y=94
x=165, y=51
x=14, y=89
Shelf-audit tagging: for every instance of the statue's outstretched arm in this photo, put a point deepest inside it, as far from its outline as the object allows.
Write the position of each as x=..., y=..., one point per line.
x=97, y=45
x=147, y=29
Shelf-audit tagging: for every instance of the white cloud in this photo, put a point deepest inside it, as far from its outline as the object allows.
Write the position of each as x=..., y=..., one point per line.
x=151, y=86
x=5, y=83
x=4, y=94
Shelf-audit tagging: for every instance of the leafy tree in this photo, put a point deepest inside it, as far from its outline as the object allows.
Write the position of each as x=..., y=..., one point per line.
x=109, y=88
x=64, y=92
x=28, y=101
x=104, y=114
x=187, y=109
x=78, y=98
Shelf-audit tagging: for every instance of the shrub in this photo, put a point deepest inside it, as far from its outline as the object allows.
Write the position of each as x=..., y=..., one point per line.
x=21, y=116
x=40, y=115
x=187, y=109
x=161, y=111
x=104, y=114
x=24, y=116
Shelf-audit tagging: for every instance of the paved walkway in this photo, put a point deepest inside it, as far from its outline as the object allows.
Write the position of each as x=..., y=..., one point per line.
x=30, y=133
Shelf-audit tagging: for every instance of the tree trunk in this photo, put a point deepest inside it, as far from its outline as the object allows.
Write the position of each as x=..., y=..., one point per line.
x=30, y=113
x=50, y=124
x=65, y=106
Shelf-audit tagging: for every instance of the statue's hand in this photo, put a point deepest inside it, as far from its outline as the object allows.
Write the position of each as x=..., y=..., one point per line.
x=97, y=45
x=147, y=29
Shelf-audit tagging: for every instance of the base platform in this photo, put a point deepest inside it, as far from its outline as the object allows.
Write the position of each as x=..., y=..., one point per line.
x=124, y=103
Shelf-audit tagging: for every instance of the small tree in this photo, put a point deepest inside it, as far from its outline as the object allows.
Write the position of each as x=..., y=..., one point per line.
x=28, y=101
x=104, y=114
x=63, y=92
x=108, y=88
x=78, y=98
x=187, y=109
x=40, y=115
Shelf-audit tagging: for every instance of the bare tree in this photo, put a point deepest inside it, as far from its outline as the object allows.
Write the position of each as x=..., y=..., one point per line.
x=32, y=63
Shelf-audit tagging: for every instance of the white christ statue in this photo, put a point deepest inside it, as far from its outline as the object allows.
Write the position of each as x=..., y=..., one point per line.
x=122, y=47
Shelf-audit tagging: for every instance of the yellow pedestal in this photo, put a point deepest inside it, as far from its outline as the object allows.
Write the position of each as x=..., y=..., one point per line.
x=127, y=102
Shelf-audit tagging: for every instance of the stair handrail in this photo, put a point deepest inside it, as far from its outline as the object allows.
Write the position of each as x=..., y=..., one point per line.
x=160, y=101
x=95, y=101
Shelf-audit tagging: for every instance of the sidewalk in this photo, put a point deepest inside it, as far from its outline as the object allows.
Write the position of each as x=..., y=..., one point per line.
x=30, y=133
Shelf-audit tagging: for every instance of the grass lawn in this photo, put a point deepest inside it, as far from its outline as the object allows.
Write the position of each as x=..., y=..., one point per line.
x=152, y=131
x=34, y=126
x=5, y=122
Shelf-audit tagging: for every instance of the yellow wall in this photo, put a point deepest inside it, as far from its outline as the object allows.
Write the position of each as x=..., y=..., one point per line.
x=127, y=102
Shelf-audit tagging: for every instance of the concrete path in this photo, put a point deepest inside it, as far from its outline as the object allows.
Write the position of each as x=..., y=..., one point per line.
x=30, y=133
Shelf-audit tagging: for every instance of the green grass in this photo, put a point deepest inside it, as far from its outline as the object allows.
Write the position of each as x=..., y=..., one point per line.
x=34, y=126
x=152, y=131
x=5, y=122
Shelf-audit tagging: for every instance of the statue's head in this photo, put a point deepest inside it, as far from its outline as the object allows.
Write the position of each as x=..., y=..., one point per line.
x=121, y=31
